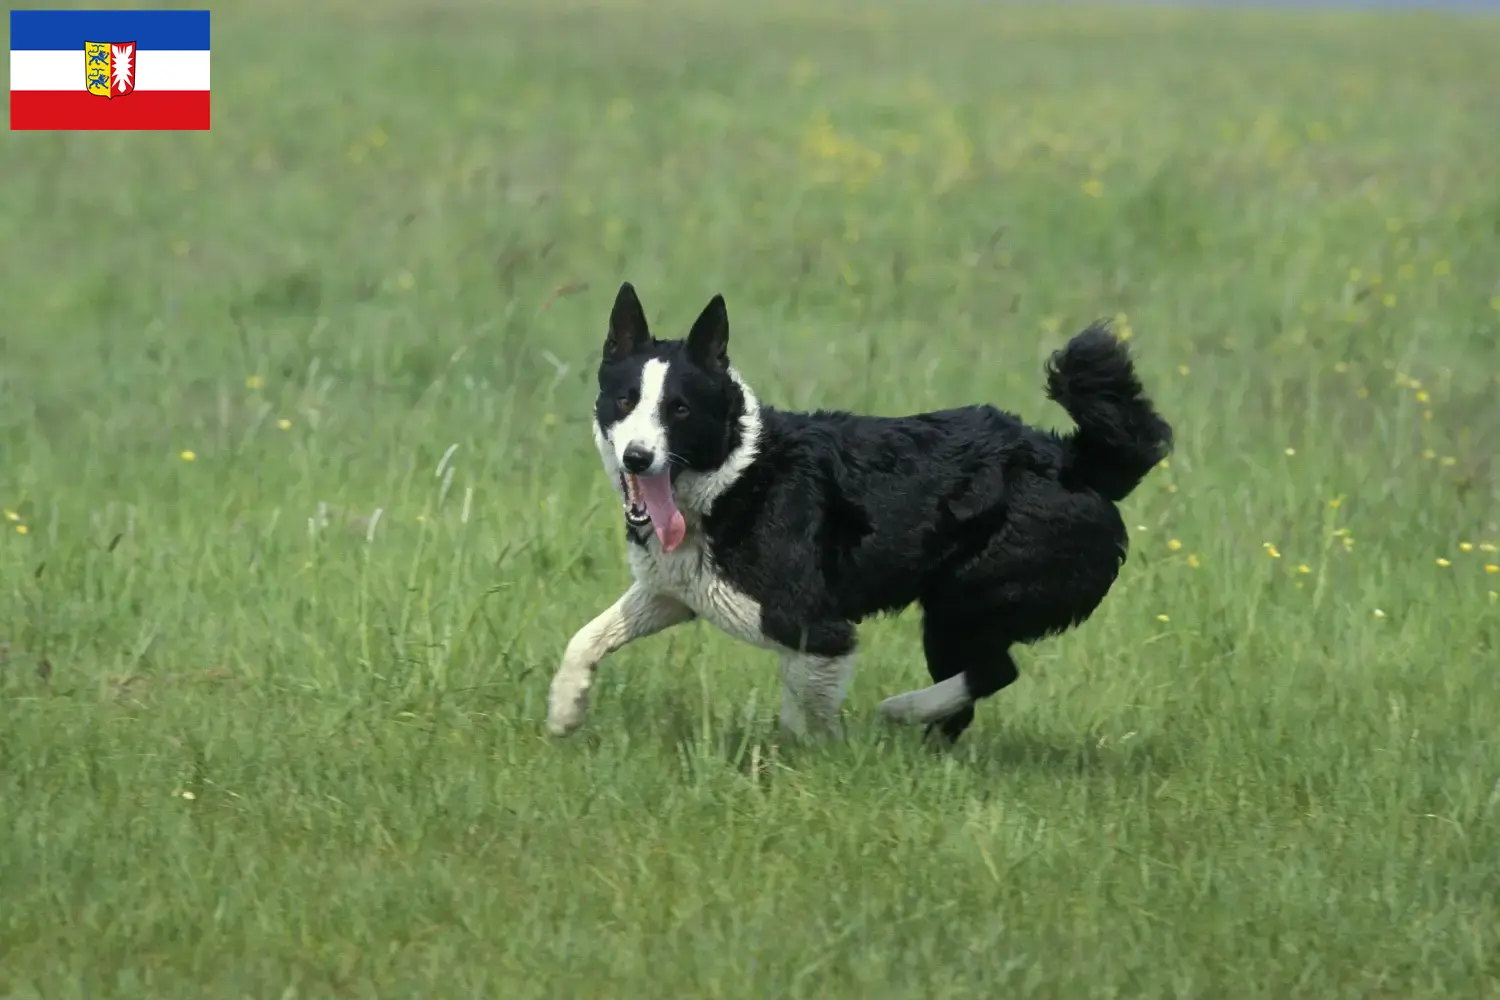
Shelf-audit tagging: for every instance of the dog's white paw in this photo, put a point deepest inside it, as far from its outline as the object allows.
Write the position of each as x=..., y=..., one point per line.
x=902, y=708
x=567, y=703
x=823, y=732
x=559, y=724
x=930, y=704
x=797, y=726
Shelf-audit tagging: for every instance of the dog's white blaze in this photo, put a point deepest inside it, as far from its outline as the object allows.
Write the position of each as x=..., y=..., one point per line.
x=643, y=427
x=930, y=704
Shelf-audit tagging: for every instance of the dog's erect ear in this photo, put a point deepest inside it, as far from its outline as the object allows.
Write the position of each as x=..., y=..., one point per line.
x=628, y=332
x=708, y=340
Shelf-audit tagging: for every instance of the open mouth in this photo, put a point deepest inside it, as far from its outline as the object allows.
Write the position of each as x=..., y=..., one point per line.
x=649, y=501
x=636, y=514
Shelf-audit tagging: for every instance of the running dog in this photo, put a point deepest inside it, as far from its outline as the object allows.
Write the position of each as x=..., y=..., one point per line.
x=786, y=529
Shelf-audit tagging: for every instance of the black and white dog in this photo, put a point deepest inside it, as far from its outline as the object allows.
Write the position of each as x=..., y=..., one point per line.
x=786, y=529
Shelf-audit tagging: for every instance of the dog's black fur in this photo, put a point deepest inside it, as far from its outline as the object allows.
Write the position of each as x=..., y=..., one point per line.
x=1002, y=532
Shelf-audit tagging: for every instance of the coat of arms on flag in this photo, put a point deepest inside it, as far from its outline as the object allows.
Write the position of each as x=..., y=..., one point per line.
x=109, y=68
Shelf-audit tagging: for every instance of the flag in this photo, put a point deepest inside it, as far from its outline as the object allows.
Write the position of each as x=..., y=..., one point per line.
x=108, y=69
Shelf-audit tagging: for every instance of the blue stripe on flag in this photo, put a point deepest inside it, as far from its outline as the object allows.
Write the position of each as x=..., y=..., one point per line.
x=59, y=30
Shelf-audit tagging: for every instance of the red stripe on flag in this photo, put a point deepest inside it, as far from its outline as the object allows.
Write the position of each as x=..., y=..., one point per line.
x=78, y=109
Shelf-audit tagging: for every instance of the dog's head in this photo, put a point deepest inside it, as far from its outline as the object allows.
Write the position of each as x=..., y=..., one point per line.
x=673, y=422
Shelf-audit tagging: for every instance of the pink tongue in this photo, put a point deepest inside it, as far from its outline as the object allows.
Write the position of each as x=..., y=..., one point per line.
x=665, y=517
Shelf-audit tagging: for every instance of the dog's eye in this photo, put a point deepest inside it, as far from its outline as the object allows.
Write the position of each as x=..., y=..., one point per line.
x=679, y=409
x=627, y=403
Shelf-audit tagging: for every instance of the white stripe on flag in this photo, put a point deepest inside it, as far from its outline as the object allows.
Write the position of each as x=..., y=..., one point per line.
x=156, y=69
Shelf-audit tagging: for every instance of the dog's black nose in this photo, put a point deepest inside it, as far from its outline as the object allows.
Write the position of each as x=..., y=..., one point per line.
x=637, y=459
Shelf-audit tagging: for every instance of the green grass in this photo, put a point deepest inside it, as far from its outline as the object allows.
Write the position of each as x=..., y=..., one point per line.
x=255, y=743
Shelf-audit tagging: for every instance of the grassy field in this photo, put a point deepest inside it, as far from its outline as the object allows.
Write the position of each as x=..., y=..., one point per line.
x=301, y=506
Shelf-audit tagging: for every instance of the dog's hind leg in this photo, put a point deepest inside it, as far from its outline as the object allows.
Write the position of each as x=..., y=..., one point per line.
x=637, y=614
x=968, y=661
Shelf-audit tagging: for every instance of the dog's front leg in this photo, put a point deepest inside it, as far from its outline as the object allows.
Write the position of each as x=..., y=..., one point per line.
x=637, y=614
x=812, y=692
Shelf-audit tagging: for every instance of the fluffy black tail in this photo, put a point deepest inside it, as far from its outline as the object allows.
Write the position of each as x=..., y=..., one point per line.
x=1120, y=437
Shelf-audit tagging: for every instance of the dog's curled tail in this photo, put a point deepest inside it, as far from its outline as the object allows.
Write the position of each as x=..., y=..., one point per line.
x=1120, y=437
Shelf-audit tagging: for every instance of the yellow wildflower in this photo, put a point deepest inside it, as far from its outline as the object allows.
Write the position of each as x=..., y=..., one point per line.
x=188, y=456
x=1174, y=545
x=1271, y=550
x=21, y=529
x=1192, y=560
x=1444, y=562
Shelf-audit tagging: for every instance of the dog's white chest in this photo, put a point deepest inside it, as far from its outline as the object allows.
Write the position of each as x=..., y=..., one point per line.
x=688, y=573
